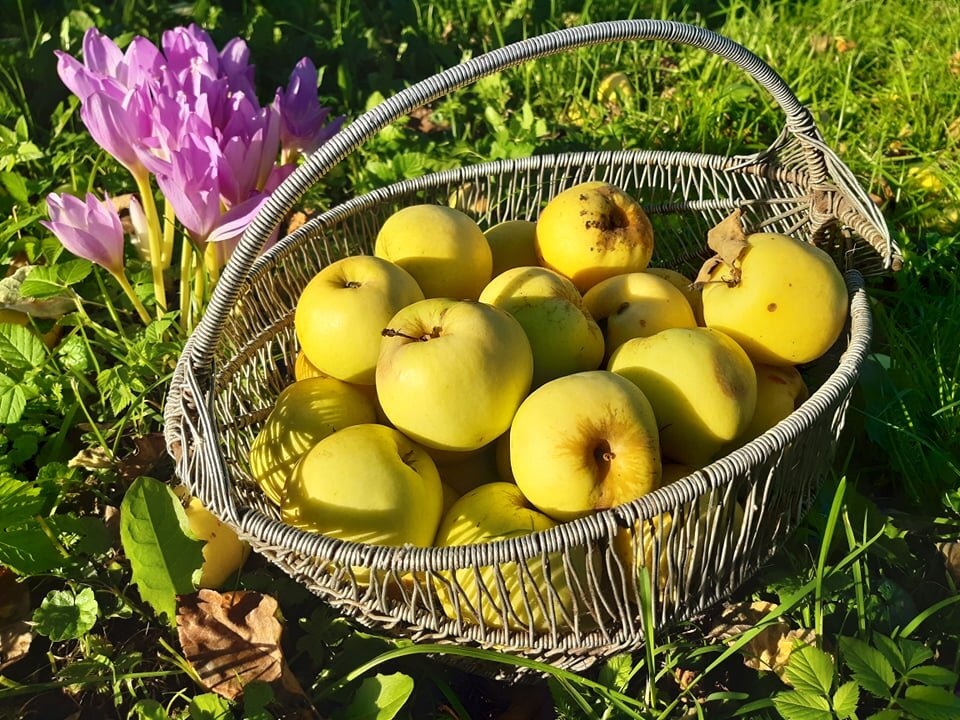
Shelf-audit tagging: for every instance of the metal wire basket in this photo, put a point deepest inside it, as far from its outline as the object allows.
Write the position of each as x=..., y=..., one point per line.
x=565, y=596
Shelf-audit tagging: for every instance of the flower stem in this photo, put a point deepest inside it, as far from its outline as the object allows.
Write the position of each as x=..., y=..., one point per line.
x=121, y=278
x=169, y=220
x=186, y=260
x=155, y=238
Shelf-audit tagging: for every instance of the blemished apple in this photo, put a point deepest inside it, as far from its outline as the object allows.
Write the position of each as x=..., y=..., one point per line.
x=442, y=248
x=512, y=243
x=583, y=443
x=224, y=553
x=305, y=412
x=700, y=383
x=452, y=373
x=366, y=483
x=784, y=301
x=342, y=311
x=593, y=231
x=498, y=511
x=636, y=305
x=685, y=285
x=563, y=336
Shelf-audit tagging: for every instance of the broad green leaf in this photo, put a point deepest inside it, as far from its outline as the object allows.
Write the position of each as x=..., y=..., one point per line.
x=794, y=705
x=148, y=710
x=114, y=384
x=16, y=186
x=615, y=672
x=933, y=675
x=257, y=695
x=810, y=670
x=28, y=551
x=73, y=271
x=870, y=668
x=19, y=501
x=86, y=535
x=380, y=697
x=887, y=715
x=891, y=651
x=13, y=401
x=845, y=700
x=164, y=556
x=49, y=280
x=930, y=703
x=20, y=348
x=914, y=653
x=209, y=706
x=65, y=615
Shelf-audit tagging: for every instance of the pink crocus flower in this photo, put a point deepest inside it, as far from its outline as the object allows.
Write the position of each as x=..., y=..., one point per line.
x=192, y=185
x=303, y=128
x=117, y=126
x=235, y=66
x=89, y=229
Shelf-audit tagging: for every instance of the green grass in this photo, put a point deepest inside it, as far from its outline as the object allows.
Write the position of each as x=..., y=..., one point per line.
x=882, y=81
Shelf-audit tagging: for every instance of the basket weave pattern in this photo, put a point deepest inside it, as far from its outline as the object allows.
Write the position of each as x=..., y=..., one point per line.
x=724, y=520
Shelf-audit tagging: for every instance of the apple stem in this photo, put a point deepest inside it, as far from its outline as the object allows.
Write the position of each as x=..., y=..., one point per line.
x=352, y=284
x=390, y=332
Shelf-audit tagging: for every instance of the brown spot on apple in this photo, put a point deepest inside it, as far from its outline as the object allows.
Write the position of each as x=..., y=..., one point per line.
x=771, y=307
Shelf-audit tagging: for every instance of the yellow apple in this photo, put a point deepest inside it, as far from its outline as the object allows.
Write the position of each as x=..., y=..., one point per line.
x=593, y=231
x=512, y=245
x=700, y=383
x=303, y=368
x=366, y=483
x=224, y=553
x=342, y=311
x=780, y=391
x=784, y=301
x=502, y=451
x=584, y=442
x=685, y=285
x=452, y=373
x=636, y=305
x=471, y=471
x=443, y=248
x=450, y=496
x=562, y=334
x=498, y=511
x=305, y=412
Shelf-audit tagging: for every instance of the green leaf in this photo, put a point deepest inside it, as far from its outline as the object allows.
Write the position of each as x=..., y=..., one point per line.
x=887, y=715
x=930, y=703
x=845, y=700
x=87, y=535
x=13, y=401
x=380, y=697
x=20, y=348
x=114, y=384
x=891, y=651
x=615, y=672
x=209, y=706
x=914, y=653
x=164, y=555
x=933, y=675
x=19, y=501
x=810, y=670
x=257, y=696
x=870, y=668
x=50, y=280
x=16, y=186
x=794, y=705
x=148, y=710
x=28, y=551
x=73, y=271
x=65, y=615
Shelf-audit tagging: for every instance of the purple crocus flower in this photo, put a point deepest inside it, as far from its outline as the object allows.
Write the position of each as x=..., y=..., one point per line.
x=117, y=126
x=235, y=66
x=192, y=185
x=90, y=229
x=303, y=117
x=190, y=49
x=105, y=68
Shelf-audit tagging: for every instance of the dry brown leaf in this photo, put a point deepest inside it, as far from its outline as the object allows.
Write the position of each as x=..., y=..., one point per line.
x=728, y=240
x=819, y=43
x=421, y=120
x=231, y=639
x=771, y=649
x=148, y=451
x=844, y=45
x=15, y=633
x=951, y=559
x=296, y=221
x=93, y=458
x=953, y=130
x=955, y=64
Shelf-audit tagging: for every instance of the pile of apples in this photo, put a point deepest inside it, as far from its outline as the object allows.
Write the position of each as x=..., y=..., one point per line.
x=461, y=386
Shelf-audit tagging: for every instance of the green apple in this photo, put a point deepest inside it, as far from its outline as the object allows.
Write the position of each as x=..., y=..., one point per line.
x=342, y=310
x=562, y=334
x=305, y=412
x=224, y=553
x=584, y=442
x=512, y=243
x=452, y=373
x=443, y=248
x=636, y=305
x=499, y=511
x=366, y=483
x=700, y=383
x=593, y=231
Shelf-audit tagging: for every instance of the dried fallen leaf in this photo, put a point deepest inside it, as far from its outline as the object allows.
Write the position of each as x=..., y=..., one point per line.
x=231, y=639
x=297, y=220
x=148, y=451
x=15, y=632
x=93, y=458
x=422, y=120
x=951, y=558
x=771, y=649
x=728, y=240
x=844, y=45
x=953, y=130
x=955, y=64
x=820, y=43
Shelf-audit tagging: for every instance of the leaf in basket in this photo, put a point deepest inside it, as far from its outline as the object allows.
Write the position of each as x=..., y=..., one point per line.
x=770, y=650
x=232, y=639
x=164, y=555
x=380, y=697
x=728, y=240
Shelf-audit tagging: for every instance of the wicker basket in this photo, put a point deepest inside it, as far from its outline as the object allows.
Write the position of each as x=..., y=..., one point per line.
x=242, y=354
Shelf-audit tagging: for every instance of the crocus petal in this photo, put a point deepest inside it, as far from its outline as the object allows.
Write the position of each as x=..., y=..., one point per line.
x=75, y=76
x=142, y=62
x=140, y=238
x=236, y=219
x=272, y=130
x=116, y=127
x=91, y=229
x=303, y=117
x=192, y=185
x=101, y=54
x=235, y=65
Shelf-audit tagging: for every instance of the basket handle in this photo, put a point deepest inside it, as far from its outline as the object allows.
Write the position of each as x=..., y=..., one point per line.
x=799, y=121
